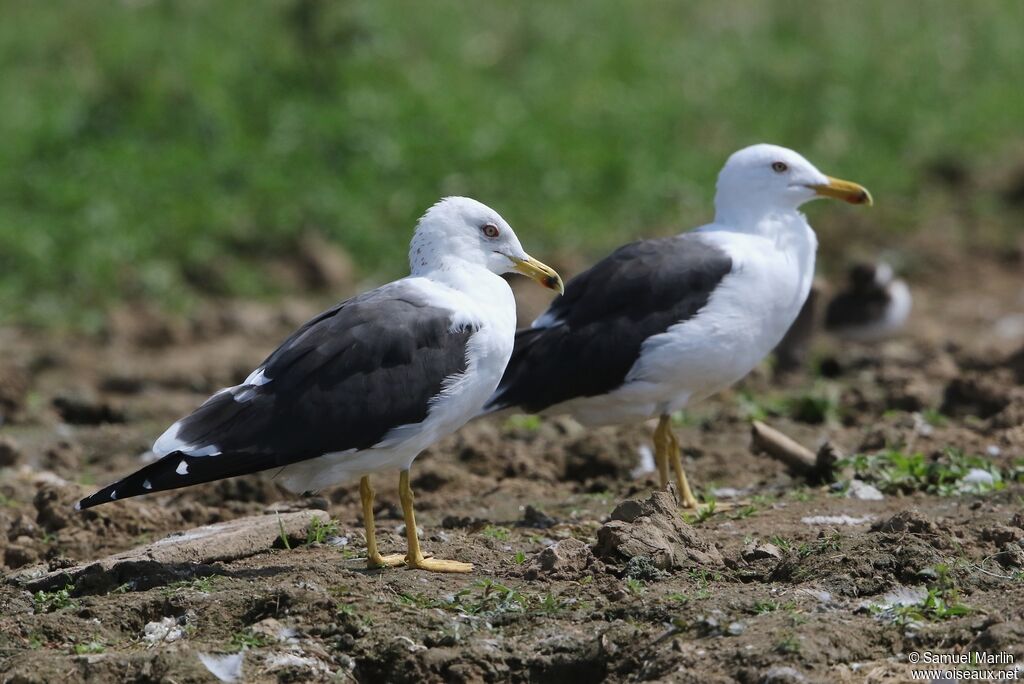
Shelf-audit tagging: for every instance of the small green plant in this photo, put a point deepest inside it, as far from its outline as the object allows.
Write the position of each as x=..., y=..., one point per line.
x=420, y=600
x=527, y=423
x=941, y=602
x=933, y=417
x=89, y=647
x=799, y=494
x=281, y=533
x=551, y=605
x=491, y=598
x=703, y=514
x=496, y=532
x=49, y=601
x=753, y=407
x=822, y=545
x=320, y=531
x=818, y=406
x=782, y=543
x=744, y=512
x=519, y=558
x=788, y=644
x=765, y=607
x=895, y=471
x=680, y=598
x=241, y=641
x=205, y=585
x=635, y=586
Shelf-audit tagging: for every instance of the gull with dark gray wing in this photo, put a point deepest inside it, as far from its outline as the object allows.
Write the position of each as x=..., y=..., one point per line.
x=367, y=385
x=660, y=324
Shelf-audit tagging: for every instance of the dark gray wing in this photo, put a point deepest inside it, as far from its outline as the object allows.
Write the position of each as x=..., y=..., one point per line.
x=594, y=331
x=340, y=382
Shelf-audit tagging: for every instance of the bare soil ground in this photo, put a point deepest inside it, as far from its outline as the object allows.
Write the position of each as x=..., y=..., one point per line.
x=581, y=574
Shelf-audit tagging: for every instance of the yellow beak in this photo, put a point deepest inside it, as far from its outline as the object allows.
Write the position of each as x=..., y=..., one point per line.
x=542, y=273
x=844, y=190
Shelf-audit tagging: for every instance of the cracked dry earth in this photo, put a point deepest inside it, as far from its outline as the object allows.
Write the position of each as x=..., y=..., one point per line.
x=581, y=572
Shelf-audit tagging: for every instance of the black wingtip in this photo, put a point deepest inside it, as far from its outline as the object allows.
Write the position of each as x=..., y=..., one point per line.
x=177, y=470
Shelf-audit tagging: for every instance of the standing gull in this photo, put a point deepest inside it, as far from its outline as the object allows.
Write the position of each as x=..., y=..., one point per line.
x=660, y=324
x=368, y=384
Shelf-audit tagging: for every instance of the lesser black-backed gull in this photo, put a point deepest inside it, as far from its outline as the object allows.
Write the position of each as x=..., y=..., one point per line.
x=660, y=324
x=875, y=304
x=368, y=384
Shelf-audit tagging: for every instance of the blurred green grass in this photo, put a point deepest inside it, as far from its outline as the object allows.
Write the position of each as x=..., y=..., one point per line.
x=166, y=150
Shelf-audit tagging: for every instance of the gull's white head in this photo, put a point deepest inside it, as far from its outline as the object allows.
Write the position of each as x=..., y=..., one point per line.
x=462, y=229
x=767, y=179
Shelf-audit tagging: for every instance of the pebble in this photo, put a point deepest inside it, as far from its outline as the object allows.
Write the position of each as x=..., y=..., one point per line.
x=859, y=489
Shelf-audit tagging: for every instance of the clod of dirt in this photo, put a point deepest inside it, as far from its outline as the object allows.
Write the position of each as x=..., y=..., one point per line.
x=782, y=675
x=1011, y=555
x=62, y=456
x=10, y=453
x=755, y=552
x=977, y=394
x=594, y=455
x=865, y=566
x=144, y=326
x=536, y=518
x=18, y=555
x=567, y=559
x=655, y=528
x=1001, y=534
x=82, y=409
x=13, y=389
x=55, y=506
x=999, y=637
x=909, y=521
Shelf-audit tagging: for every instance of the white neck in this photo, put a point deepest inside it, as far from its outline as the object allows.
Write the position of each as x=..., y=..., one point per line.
x=459, y=274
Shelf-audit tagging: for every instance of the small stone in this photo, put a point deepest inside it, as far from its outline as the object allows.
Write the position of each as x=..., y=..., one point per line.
x=17, y=555
x=760, y=551
x=736, y=628
x=1011, y=555
x=977, y=476
x=1002, y=534
x=534, y=517
x=85, y=409
x=782, y=675
x=863, y=491
x=10, y=453
x=568, y=557
x=164, y=631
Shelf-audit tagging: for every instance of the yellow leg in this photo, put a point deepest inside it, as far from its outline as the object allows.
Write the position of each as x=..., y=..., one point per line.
x=373, y=557
x=682, y=484
x=661, y=446
x=415, y=559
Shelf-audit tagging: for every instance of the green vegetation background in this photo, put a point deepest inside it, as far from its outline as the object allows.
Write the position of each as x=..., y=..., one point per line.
x=167, y=149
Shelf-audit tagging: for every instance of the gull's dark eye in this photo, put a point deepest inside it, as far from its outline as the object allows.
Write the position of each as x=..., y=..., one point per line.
x=780, y=167
x=490, y=230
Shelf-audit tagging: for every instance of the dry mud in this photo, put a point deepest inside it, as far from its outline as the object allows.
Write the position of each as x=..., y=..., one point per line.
x=581, y=573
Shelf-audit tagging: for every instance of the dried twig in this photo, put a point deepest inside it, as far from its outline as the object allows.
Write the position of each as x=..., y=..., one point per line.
x=796, y=456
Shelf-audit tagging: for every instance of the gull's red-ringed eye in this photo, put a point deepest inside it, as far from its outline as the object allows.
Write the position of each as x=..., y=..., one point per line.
x=490, y=230
x=780, y=167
